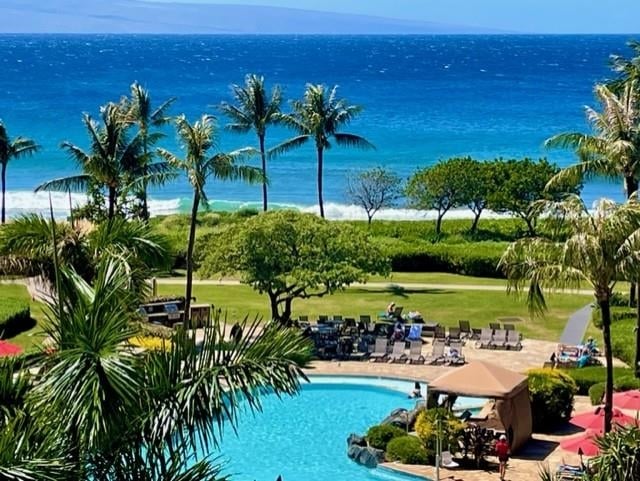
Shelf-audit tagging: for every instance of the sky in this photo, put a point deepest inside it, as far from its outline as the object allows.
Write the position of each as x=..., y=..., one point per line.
x=541, y=16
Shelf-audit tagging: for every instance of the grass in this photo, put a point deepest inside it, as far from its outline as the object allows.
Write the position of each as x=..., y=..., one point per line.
x=437, y=278
x=33, y=337
x=446, y=306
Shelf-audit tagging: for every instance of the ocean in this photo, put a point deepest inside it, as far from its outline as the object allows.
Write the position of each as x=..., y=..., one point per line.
x=425, y=98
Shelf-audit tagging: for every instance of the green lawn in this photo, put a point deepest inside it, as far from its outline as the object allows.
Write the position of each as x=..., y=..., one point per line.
x=437, y=278
x=443, y=305
x=31, y=337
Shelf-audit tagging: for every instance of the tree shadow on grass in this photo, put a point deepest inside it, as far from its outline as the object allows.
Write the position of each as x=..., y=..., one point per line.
x=17, y=328
x=400, y=291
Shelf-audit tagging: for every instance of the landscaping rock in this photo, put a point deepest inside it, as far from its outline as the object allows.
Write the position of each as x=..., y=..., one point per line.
x=356, y=440
x=366, y=456
x=354, y=452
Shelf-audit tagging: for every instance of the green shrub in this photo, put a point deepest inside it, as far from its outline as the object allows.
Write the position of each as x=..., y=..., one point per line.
x=551, y=393
x=596, y=393
x=626, y=383
x=378, y=436
x=15, y=316
x=588, y=376
x=623, y=340
x=407, y=450
x=451, y=428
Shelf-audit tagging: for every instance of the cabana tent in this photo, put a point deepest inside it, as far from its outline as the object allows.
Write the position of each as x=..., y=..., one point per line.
x=509, y=389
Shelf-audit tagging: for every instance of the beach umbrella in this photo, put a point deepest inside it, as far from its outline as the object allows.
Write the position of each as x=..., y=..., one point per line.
x=595, y=419
x=627, y=400
x=583, y=444
x=9, y=349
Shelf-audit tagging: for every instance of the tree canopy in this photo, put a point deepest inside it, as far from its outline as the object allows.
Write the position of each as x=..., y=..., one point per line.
x=290, y=255
x=374, y=189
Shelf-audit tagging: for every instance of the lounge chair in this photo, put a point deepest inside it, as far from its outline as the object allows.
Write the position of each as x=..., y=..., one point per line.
x=455, y=357
x=437, y=353
x=337, y=318
x=446, y=460
x=439, y=333
x=380, y=350
x=465, y=329
x=494, y=326
x=304, y=319
x=398, y=355
x=322, y=319
x=509, y=327
x=397, y=312
x=567, y=472
x=415, y=353
x=366, y=319
x=499, y=339
x=475, y=333
x=486, y=339
x=454, y=334
x=513, y=340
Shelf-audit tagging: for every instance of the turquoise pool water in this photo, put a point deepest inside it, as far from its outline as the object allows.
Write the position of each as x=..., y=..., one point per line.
x=304, y=437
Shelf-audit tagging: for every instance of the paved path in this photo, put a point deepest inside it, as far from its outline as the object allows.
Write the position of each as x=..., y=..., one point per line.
x=577, y=324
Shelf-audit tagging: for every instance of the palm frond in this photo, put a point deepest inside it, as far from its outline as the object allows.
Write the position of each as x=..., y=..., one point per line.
x=74, y=183
x=287, y=146
x=352, y=140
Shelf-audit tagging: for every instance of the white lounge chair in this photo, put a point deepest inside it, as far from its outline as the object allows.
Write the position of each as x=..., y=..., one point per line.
x=500, y=339
x=513, y=340
x=437, y=354
x=446, y=460
x=486, y=338
x=415, y=353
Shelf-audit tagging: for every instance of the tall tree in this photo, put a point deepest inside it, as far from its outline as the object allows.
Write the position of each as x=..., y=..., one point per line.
x=146, y=117
x=256, y=110
x=600, y=248
x=613, y=151
x=317, y=118
x=374, y=189
x=108, y=161
x=11, y=149
x=197, y=140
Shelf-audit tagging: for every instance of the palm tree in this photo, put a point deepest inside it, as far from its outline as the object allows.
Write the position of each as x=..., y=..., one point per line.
x=105, y=166
x=318, y=117
x=613, y=152
x=145, y=117
x=11, y=149
x=600, y=248
x=627, y=69
x=255, y=110
x=197, y=140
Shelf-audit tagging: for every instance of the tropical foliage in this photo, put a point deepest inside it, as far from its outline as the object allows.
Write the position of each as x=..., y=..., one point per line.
x=551, y=392
x=199, y=164
x=601, y=247
x=11, y=149
x=318, y=118
x=94, y=408
x=374, y=189
x=255, y=110
x=288, y=255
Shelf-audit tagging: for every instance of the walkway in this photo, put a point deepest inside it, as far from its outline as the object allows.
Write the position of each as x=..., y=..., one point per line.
x=576, y=326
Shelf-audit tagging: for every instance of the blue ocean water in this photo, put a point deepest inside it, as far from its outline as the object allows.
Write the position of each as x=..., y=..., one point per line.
x=425, y=98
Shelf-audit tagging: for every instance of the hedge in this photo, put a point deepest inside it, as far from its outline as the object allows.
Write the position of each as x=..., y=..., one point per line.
x=588, y=376
x=551, y=393
x=407, y=450
x=379, y=436
x=596, y=393
x=15, y=316
x=478, y=259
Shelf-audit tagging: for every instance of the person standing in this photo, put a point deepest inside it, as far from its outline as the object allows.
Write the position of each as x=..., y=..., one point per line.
x=502, y=452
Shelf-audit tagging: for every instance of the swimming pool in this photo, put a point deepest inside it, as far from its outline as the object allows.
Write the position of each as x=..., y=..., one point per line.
x=304, y=437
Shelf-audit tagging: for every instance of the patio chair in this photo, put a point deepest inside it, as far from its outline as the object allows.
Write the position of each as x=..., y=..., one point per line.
x=397, y=312
x=499, y=339
x=439, y=333
x=465, y=329
x=454, y=334
x=322, y=319
x=455, y=357
x=494, y=326
x=337, y=318
x=380, y=350
x=366, y=319
x=437, y=353
x=397, y=355
x=509, y=327
x=303, y=319
x=349, y=322
x=446, y=460
x=475, y=333
x=415, y=353
x=486, y=339
x=513, y=340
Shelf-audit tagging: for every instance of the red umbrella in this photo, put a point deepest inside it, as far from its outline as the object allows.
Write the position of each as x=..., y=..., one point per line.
x=584, y=442
x=8, y=349
x=595, y=419
x=627, y=400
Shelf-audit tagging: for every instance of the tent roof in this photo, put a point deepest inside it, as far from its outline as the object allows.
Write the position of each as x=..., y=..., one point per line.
x=480, y=379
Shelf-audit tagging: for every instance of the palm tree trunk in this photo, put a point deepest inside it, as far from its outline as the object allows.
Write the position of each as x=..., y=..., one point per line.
x=263, y=156
x=606, y=335
x=112, y=203
x=143, y=194
x=192, y=240
x=4, y=188
x=631, y=186
x=320, y=161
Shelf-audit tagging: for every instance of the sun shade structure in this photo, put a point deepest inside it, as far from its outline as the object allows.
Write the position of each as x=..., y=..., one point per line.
x=585, y=442
x=485, y=380
x=595, y=419
x=627, y=400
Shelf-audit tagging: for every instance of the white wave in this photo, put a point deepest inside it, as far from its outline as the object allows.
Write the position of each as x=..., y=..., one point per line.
x=27, y=202
x=163, y=207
